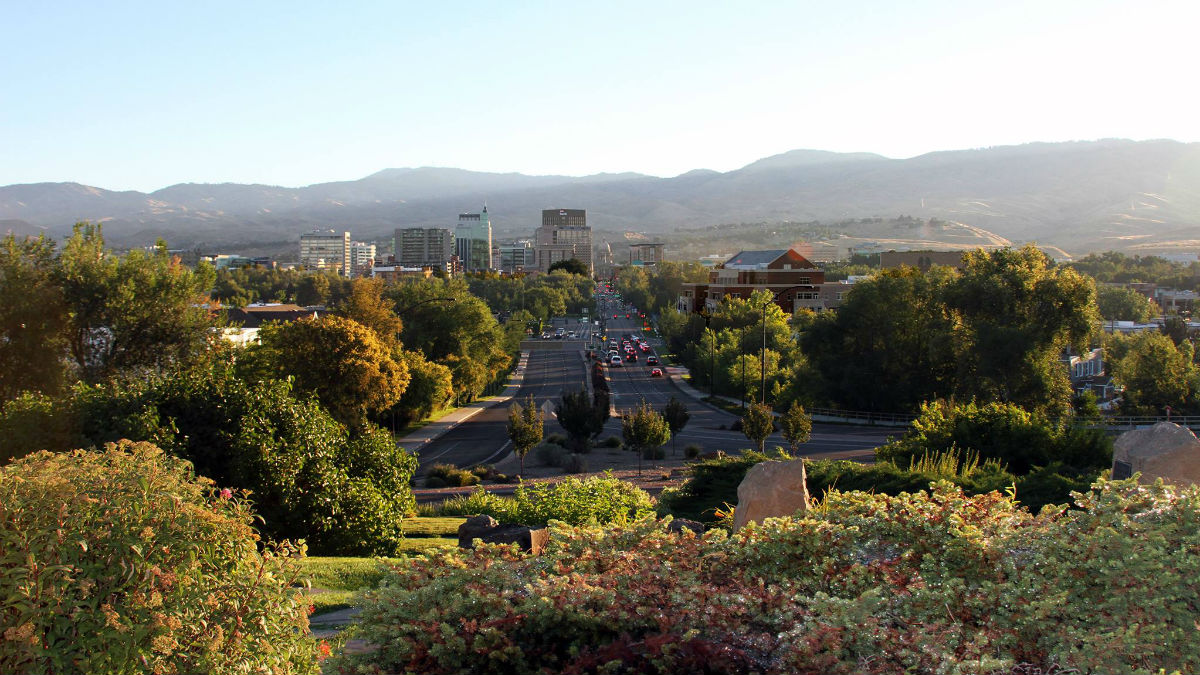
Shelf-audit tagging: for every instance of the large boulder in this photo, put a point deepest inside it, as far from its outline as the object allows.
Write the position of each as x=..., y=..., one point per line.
x=486, y=529
x=771, y=490
x=1165, y=450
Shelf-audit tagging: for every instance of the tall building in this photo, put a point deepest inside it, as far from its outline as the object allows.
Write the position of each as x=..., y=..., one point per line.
x=564, y=234
x=424, y=247
x=326, y=250
x=362, y=259
x=473, y=241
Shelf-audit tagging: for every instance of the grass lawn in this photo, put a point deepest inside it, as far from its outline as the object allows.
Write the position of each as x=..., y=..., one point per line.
x=335, y=580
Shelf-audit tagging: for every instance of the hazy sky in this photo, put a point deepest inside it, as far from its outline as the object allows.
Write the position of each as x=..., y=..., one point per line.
x=141, y=96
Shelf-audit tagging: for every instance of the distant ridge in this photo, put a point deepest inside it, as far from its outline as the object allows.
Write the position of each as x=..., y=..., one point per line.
x=1079, y=196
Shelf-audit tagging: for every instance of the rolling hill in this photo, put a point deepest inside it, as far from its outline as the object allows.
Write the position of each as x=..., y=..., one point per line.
x=1079, y=196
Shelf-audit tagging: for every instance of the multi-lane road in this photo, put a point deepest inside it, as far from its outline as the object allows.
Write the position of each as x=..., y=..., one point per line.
x=558, y=365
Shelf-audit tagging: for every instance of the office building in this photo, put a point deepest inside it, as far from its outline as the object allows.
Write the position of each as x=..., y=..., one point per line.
x=564, y=234
x=326, y=250
x=517, y=257
x=424, y=247
x=362, y=259
x=473, y=241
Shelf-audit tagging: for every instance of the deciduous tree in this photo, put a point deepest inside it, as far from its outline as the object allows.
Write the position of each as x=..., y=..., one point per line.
x=33, y=319
x=525, y=427
x=643, y=430
x=796, y=426
x=758, y=423
x=341, y=361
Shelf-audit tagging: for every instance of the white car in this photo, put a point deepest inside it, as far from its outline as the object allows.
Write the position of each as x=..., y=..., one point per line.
x=615, y=361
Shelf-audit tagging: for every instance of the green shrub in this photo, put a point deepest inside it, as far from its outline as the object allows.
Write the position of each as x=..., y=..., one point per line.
x=550, y=454
x=310, y=479
x=32, y=422
x=557, y=439
x=575, y=463
x=435, y=482
x=938, y=582
x=1004, y=432
x=122, y=561
x=452, y=476
x=712, y=483
x=612, y=442
x=602, y=499
x=692, y=451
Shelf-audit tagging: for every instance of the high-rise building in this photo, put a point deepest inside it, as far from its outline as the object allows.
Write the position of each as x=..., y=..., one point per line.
x=424, y=247
x=362, y=259
x=326, y=250
x=473, y=241
x=564, y=234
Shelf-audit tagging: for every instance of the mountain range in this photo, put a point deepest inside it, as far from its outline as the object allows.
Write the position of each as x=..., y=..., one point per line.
x=1078, y=196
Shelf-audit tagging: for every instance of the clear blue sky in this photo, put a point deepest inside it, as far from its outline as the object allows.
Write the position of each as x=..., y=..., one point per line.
x=145, y=95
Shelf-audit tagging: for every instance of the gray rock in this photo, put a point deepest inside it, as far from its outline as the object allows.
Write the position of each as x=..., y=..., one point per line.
x=486, y=529
x=1165, y=450
x=678, y=525
x=771, y=490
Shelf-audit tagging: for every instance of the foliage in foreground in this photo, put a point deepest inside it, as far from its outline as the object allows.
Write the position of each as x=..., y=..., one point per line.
x=604, y=500
x=122, y=561
x=919, y=583
x=310, y=479
x=713, y=482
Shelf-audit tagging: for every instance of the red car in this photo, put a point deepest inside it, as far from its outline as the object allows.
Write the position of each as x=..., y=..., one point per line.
x=645, y=347
x=656, y=372
x=652, y=360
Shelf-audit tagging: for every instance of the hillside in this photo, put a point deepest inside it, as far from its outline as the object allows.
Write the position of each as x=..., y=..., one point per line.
x=1080, y=196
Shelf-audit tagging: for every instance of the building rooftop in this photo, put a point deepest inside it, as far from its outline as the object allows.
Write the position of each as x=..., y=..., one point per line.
x=754, y=259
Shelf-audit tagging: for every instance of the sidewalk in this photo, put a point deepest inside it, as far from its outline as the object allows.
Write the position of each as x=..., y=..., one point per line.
x=418, y=439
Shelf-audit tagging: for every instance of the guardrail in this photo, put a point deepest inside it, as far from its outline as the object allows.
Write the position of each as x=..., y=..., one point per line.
x=904, y=419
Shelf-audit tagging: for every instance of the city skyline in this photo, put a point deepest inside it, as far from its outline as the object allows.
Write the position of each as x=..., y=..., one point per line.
x=137, y=96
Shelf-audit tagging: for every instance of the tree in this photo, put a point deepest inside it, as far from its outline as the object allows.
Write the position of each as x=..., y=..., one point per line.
x=460, y=334
x=1119, y=303
x=797, y=426
x=758, y=423
x=577, y=416
x=894, y=331
x=143, y=312
x=312, y=289
x=676, y=414
x=1156, y=374
x=1016, y=312
x=33, y=319
x=367, y=306
x=570, y=265
x=341, y=361
x=643, y=430
x=430, y=387
x=525, y=427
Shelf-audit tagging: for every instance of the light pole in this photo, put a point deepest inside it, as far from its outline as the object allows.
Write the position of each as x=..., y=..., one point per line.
x=742, y=344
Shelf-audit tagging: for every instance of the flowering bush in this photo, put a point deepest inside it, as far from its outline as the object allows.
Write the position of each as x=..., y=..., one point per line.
x=122, y=561
x=938, y=582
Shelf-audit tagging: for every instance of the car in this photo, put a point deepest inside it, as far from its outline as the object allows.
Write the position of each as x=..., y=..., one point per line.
x=547, y=336
x=571, y=335
x=614, y=361
x=652, y=360
x=631, y=357
x=645, y=348
x=615, y=316
x=656, y=372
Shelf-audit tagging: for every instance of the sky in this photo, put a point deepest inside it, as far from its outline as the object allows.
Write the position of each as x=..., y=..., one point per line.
x=139, y=96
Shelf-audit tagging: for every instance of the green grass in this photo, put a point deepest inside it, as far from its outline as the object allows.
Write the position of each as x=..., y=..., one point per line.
x=330, y=601
x=424, y=526
x=344, y=574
